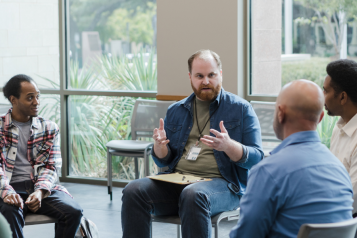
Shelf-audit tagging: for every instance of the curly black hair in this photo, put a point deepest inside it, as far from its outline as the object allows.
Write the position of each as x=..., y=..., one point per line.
x=13, y=86
x=343, y=75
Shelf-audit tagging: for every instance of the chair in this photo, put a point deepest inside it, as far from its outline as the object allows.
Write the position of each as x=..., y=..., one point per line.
x=146, y=116
x=265, y=114
x=345, y=229
x=215, y=220
x=35, y=219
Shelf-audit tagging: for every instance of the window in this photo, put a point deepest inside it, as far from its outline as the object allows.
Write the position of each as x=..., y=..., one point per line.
x=111, y=60
x=91, y=60
x=113, y=41
x=296, y=39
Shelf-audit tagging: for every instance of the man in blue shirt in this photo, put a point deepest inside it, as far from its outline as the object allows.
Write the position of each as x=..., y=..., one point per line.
x=223, y=129
x=302, y=181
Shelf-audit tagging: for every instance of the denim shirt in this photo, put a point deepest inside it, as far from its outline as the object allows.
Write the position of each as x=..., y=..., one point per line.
x=241, y=123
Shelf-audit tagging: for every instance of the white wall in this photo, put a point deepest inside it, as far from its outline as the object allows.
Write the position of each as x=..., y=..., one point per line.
x=266, y=40
x=29, y=42
x=186, y=26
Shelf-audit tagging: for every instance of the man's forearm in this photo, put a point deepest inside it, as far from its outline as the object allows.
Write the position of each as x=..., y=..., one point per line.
x=160, y=151
x=234, y=150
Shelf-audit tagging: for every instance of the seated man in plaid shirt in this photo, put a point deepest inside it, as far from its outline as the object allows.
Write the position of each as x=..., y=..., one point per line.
x=29, y=158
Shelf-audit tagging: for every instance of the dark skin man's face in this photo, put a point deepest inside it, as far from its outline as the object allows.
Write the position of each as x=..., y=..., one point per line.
x=27, y=105
x=332, y=101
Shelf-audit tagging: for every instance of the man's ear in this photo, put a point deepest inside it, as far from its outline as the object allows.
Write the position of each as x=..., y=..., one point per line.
x=221, y=74
x=13, y=100
x=321, y=116
x=281, y=114
x=343, y=98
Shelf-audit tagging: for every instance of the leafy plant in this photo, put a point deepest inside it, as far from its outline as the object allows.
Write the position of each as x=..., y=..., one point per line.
x=133, y=75
x=325, y=129
x=95, y=120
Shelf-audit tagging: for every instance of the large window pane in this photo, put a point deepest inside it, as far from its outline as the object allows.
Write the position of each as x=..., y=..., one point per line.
x=115, y=42
x=29, y=41
x=50, y=110
x=94, y=121
x=296, y=39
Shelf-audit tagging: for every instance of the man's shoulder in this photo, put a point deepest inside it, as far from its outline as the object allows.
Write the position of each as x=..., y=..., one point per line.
x=178, y=104
x=45, y=124
x=297, y=157
x=230, y=98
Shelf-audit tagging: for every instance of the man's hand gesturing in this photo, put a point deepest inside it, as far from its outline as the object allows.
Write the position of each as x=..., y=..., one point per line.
x=161, y=141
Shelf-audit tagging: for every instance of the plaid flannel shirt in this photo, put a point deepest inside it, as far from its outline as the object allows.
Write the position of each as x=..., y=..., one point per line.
x=43, y=153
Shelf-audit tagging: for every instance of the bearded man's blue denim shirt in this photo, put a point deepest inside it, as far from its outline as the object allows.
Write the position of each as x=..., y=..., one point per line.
x=241, y=123
x=301, y=182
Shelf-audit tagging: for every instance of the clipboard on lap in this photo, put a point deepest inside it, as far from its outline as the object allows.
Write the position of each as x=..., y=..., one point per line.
x=178, y=178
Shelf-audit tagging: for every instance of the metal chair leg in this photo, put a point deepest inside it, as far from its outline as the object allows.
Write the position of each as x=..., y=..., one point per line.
x=136, y=167
x=178, y=231
x=146, y=162
x=216, y=230
x=151, y=229
x=109, y=172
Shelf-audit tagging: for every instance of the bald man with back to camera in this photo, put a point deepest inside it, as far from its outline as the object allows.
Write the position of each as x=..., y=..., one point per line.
x=302, y=181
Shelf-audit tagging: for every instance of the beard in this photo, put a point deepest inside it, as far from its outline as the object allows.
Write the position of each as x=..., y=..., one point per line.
x=207, y=96
x=329, y=112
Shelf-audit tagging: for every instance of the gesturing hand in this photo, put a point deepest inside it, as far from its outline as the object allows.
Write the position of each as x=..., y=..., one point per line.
x=34, y=201
x=222, y=140
x=160, y=135
x=14, y=199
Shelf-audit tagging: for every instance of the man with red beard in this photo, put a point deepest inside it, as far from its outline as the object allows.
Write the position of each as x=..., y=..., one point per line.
x=210, y=134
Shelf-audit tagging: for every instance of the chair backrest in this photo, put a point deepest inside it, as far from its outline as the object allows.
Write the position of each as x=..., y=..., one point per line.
x=265, y=114
x=146, y=117
x=345, y=229
x=4, y=108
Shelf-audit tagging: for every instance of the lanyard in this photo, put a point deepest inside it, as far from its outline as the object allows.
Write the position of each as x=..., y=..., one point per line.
x=199, y=130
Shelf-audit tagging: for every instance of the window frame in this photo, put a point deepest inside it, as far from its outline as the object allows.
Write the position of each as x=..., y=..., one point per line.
x=246, y=48
x=65, y=92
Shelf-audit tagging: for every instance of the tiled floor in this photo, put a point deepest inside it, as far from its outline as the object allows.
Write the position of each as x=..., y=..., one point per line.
x=106, y=214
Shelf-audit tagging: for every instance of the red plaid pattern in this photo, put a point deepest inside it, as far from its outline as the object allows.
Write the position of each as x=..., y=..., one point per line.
x=43, y=153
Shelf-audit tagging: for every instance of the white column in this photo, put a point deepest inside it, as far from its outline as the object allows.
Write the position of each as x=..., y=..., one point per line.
x=343, y=51
x=288, y=20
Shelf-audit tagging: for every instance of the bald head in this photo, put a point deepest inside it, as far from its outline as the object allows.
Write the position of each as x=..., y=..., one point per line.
x=301, y=103
x=303, y=98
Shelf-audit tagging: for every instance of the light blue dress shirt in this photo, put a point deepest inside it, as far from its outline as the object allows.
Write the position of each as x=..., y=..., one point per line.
x=301, y=182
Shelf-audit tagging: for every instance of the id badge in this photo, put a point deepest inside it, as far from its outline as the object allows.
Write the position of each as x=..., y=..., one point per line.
x=193, y=152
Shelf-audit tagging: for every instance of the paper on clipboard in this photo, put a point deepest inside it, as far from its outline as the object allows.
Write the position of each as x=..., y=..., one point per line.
x=178, y=178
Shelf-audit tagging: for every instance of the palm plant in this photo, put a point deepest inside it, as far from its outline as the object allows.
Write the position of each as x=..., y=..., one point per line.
x=133, y=75
x=93, y=120
x=325, y=129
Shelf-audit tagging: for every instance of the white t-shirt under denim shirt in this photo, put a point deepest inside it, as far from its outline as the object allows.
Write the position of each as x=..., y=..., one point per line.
x=344, y=147
x=23, y=169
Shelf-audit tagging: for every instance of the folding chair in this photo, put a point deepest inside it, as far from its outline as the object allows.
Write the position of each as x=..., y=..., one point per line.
x=146, y=116
x=265, y=114
x=215, y=220
x=345, y=229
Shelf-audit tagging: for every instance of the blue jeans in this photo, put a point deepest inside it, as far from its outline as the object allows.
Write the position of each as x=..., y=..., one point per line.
x=58, y=205
x=194, y=203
